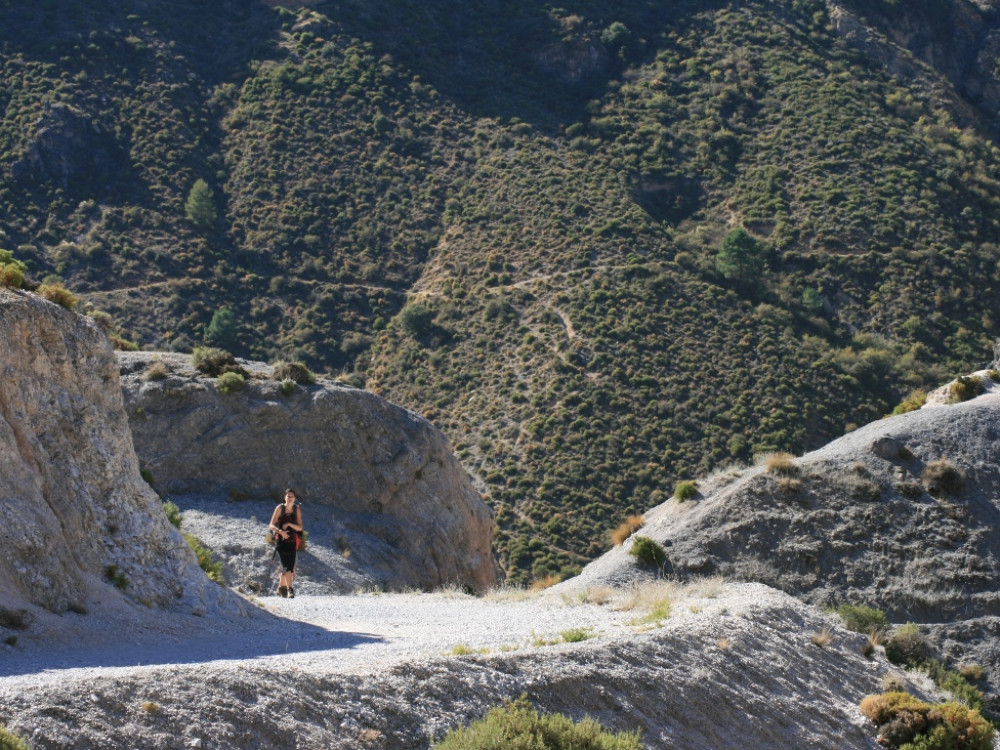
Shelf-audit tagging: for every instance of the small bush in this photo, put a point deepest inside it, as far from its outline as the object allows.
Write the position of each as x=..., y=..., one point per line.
x=914, y=401
x=230, y=382
x=11, y=277
x=59, y=294
x=173, y=513
x=294, y=371
x=288, y=387
x=781, y=463
x=11, y=741
x=157, y=370
x=907, y=646
x=648, y=551
x=416, y=319
x=206, y=561
x=627, y=528
x=942, y=478
x=576, y=635
x=862, y=619
x=685, y=490
x=965, y=388
x=518, y=725
x=215, y=362
x=114, y=576
x=13, y=619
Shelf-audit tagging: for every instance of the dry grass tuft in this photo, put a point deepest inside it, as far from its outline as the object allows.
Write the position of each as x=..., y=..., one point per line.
x=628, y=527
x=548, y=581
x=781, y=463
x=823, y=638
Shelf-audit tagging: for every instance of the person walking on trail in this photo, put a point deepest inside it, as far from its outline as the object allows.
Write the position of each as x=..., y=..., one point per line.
x=286, y=525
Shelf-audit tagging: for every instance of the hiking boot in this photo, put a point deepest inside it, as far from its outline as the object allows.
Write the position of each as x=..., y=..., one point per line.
x=291, y=593
x=282, y=591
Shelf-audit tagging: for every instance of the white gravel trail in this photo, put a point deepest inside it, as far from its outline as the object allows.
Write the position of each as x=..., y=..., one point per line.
x=316, y=634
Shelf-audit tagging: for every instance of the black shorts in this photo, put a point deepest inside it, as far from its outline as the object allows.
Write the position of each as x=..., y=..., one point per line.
x=286, y=553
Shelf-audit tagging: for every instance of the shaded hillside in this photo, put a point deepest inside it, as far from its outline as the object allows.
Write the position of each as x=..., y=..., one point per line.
x=507, y=219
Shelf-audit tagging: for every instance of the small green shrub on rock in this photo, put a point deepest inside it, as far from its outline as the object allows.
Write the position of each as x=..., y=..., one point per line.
x=685, y=490
x=907, y=645
x=965, y=388
x=862, y=619
x=230, y=382
x=215, y=362
x=648, y=551
x=59, y=294
x=206, y=560
x=295, y=371
x=11, y=741
x=518, y=726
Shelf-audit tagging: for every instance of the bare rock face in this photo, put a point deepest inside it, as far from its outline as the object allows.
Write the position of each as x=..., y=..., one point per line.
x=379, y=485
x=79, y=522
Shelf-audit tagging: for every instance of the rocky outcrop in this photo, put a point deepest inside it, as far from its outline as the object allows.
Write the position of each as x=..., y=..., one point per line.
x=387, y=504
x=900, y=515
x=960, y=42
x=80, y=526
x=69, y=150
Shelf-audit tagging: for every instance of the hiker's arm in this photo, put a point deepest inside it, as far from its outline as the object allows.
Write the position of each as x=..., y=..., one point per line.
x=274, y=520
x=297, y=526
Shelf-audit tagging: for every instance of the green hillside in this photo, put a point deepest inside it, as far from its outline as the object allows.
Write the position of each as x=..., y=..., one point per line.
x=510, y=218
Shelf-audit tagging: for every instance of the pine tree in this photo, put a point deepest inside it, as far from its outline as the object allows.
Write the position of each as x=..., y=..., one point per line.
x=200, y=206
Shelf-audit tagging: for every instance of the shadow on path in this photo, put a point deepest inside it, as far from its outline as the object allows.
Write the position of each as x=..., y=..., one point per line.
x=255, y=638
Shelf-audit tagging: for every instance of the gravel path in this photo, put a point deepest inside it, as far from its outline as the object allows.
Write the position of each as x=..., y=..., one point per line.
x=317, y=634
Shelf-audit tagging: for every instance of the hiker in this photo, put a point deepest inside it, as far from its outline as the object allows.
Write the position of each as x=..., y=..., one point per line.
x=286, y=525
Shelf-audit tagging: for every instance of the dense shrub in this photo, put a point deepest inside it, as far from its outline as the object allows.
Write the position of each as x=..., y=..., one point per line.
x=907, y=723
x=518, y=726
x=11, y=271
x=914, y=401
x=416, y=319
x=648, y=551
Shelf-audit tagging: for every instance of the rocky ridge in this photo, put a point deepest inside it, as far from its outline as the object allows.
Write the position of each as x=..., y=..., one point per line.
x=900, y=515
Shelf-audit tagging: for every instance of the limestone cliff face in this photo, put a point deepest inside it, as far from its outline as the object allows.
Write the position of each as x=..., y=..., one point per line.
x=405, y=509
x=76, y=512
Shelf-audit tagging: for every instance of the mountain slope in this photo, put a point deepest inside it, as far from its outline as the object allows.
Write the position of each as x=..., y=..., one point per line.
x=507, y=218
